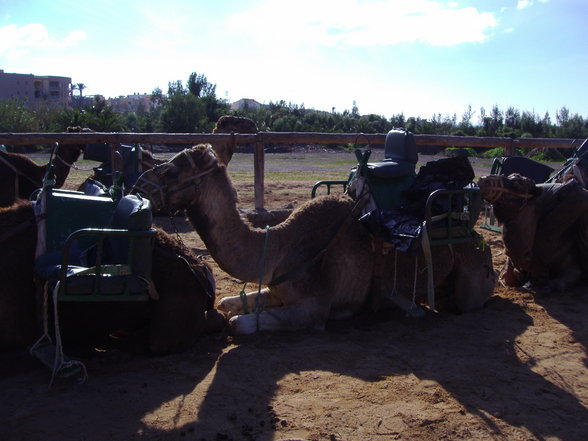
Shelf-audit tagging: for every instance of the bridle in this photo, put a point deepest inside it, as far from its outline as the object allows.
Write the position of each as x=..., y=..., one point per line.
x=494, y=190
x=159, y=193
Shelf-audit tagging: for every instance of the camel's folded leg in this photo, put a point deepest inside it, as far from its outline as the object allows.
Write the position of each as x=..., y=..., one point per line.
x=512, y=276
x=310, y=313
x=233, y=305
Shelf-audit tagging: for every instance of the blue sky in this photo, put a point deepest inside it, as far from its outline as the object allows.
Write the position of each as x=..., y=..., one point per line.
x=417, y=57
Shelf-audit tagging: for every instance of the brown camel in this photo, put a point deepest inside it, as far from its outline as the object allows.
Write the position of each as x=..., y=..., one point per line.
x=230, y=124
x=544, y=228
x=183, y=311
x=21, y=176
x=317, y=264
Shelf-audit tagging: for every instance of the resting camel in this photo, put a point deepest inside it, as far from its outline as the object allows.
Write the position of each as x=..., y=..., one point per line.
x=318, y=264
x=21, y=176
x=544, y=228
x=183, y=312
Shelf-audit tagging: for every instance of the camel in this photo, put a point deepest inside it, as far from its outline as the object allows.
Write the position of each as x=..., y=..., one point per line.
x=544, y=229
x=231, y=124
x=183, y=312
x=21, y=176
x=318, y=264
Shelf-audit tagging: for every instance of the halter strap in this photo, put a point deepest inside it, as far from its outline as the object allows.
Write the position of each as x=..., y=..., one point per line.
x=495, y=189
x=178, y=185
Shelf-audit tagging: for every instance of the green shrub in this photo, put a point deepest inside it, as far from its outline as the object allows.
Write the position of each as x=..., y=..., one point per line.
x=547, y=155
x=460, y=151
x=496, y=152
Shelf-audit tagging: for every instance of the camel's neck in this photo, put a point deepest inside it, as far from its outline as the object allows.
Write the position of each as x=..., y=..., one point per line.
x=233, y=244
x=63, y=161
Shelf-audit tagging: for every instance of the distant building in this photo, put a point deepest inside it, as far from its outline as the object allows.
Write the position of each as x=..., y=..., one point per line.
x=246, y=104
x=33, y=89
x=131, y=103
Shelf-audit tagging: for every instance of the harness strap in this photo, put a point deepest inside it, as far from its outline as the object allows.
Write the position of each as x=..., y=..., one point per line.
x=426, y=246
x=494, y=189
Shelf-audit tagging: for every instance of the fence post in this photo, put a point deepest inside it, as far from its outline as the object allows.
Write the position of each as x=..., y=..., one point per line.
x=258, y=169
x=510, y=150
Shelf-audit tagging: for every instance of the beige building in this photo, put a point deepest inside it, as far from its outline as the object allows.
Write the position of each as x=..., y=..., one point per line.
x=131, y=103
x=34, y=89
x=246, y=104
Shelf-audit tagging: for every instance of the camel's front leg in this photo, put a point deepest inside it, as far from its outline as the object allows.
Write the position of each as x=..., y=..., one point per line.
x=309, y=313
x=233, y=305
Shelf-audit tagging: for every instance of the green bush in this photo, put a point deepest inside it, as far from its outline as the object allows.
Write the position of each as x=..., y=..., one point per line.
x=496, y=152
x=460, y=151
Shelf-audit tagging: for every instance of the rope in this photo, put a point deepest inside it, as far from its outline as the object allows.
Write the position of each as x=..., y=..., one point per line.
x=414, y=283
x=72, y=165
x=260, y=307
x=60, y=363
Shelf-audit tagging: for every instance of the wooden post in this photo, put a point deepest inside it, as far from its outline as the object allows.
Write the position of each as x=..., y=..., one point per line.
x=258, y=169
x=509, y=149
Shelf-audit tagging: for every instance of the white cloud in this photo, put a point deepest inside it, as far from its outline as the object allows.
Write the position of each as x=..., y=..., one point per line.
x=522, y=4
x=363, y=23
x=17, y=41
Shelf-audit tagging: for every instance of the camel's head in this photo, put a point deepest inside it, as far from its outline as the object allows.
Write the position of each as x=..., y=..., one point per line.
x=173, y=185
x=513, y=188
x=512, y=197
x=231, y=124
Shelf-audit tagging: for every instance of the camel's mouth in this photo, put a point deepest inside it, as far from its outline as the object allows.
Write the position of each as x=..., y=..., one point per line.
x=148, y=186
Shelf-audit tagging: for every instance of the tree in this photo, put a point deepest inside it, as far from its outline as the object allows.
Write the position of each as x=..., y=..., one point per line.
x=199, y=86
x=16, y=117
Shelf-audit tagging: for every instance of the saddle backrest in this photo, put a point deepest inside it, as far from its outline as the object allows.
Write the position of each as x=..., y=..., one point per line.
x=527, y=167
x=400, y=146
x=68, y=211
x=133, y=213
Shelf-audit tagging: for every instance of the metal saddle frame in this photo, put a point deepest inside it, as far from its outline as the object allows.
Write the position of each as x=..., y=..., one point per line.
x=89, y=249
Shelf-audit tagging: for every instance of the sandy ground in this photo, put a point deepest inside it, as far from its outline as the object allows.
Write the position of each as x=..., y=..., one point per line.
x=515, y=370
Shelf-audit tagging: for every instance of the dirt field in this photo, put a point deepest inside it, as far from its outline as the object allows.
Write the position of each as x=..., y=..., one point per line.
x=516, y=370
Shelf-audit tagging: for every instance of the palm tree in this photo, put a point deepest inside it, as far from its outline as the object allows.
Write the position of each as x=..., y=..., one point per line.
x=81, y=87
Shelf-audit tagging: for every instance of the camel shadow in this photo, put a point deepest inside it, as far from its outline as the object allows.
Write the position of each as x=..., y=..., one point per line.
x=571, y=310
x=473, y=359
x=121, y=389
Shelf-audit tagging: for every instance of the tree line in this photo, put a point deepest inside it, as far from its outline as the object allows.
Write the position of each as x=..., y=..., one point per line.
x=194, y=107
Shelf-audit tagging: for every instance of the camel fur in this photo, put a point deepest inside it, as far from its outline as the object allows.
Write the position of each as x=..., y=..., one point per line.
x=544, y=229
x=183, y=312
x=318, y=264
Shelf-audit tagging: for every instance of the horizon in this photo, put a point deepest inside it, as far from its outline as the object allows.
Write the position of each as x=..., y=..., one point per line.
x=420, y=58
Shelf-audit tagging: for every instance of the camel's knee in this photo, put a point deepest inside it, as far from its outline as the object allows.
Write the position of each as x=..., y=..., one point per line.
x=235, y=305
x=251, y=323
x=232, y=305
